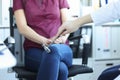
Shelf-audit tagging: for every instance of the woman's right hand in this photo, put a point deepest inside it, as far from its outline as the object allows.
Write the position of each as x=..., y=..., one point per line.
x=46, y=41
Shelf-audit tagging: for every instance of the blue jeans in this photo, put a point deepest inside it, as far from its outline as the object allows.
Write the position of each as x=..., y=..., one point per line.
x=50, y=66
x=110, y=73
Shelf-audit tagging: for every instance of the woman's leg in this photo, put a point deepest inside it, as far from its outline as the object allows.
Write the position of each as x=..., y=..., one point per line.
x=49, y=67
x=50, y=64
x=63, y=71
x=47, y=64
x=33, y=58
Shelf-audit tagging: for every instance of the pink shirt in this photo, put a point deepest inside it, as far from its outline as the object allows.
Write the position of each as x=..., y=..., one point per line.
x=43, y=16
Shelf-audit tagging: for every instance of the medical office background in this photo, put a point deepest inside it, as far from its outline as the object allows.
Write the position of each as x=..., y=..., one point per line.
x=105, y=51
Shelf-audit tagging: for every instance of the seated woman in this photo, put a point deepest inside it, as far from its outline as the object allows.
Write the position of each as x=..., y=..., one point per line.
x=38, y=21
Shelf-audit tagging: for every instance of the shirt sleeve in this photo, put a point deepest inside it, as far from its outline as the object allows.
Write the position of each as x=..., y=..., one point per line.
x=17, y=4
x=63, y=4
x=107, y=13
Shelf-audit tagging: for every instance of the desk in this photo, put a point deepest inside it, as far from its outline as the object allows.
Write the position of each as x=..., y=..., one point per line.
x=6, y=58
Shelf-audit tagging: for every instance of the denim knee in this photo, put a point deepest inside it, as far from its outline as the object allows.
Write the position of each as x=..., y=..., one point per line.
x=64, y=51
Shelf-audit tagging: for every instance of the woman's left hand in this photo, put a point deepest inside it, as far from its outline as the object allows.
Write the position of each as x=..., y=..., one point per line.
x=60, y=39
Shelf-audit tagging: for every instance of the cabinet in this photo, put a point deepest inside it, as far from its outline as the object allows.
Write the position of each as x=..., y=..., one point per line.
x=106, y=44
x=106, y=41
x=105, y=50
x=75, y=7
x=4, y=13
x=4, y=33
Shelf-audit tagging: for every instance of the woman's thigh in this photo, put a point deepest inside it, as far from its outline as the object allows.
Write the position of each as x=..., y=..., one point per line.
x=33, y=58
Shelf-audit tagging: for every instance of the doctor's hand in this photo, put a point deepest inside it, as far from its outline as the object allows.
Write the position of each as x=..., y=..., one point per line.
x=68, y=27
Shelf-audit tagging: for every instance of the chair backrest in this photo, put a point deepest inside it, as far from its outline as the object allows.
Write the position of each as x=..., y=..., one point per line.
x=81, y=43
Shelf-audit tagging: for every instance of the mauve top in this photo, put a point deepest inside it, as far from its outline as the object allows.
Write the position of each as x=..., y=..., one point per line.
x=43, y=16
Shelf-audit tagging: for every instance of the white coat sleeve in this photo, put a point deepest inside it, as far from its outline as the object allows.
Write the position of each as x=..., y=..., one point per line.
x=107, y=13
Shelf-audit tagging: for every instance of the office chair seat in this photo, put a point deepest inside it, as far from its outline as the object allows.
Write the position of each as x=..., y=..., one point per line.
x=79, y=69
x=24, y=73
x=73, y=70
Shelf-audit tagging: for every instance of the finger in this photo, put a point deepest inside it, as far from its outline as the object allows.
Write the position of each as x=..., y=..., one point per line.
x=59, y=40
x=65, y=32
x=49, y=42
x=56, y=42
x=60, y=31
x=53, y=38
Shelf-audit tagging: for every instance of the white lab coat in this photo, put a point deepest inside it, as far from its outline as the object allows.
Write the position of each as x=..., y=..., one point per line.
x=107, y=13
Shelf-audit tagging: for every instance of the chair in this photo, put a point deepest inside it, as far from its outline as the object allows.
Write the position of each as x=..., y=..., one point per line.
x=22, y=73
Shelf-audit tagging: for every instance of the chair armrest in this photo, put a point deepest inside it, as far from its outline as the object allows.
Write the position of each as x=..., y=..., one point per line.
x=86, y=51
x=75, y=37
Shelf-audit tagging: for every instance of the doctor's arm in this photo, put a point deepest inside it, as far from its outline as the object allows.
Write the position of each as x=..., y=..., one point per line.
x=72, y=26
x=107, y=13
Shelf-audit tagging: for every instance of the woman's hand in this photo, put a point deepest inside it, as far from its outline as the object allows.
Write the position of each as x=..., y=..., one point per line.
x=46, y=41
x=61, y=39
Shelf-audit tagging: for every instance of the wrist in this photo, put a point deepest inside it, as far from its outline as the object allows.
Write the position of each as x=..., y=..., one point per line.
x=78, y=23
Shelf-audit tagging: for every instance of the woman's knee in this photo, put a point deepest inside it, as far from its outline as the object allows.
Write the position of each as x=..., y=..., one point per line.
x=63, y=51
x=60, y=49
